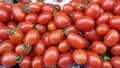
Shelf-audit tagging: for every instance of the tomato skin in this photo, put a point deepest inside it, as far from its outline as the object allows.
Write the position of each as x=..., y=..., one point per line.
x=80, y=56
x=20, y=49
x=117, y=7
x=102, y=29
x=65, y=60
x=50, y=56
x=61, y=20
x=2, y=25
x=6, y=46
x=106, y=64
x=98, y=47
x=84, y=21
x=18, y=12
x=4, y=14
x=64, y=46
x=115, y=60
x=93, y=60
x=107, y=5
x=44, y=18
x=25, y=26
x=39, y=48
x=11, y=25
x=40, y=28
x=96, y=1
x=115, y=49
x=93, y=10
x=26, y=62
x=32, y=37
x=32, y=17
x=114, y=22
x=67, y=8
x=37, y=62
x=51, y=26
x=111, y=38
x=56, y=36
x=9, y=59
x=16, y=37
x=76, y=41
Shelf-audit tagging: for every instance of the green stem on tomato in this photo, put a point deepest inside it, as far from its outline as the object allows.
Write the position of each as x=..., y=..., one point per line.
x=18, y=59
x=27, y=48
x=105, y=57
x=27, y=8
x=11, y=32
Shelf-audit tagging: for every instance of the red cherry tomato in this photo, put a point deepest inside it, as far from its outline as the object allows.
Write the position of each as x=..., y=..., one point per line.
x=67, y=8
x=37, y=62
x=115, y=49
x=117, y=7
x=115, y=60
x=106, y=64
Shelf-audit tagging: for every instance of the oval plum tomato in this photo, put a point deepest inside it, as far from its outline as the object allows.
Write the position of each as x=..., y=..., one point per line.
x=26, y=62
x=32, y=37
x=80, y=56
x=4, y=33
x=93, y=10
x=45, y=18
x=92, y=35
x=65, y=60
x=10, y=59
x=61, y=20
x=99, y=47
x=51, y=26
x=16, y=36
x=96, y=1
x=4, y=14
x=22, y=49
x=50, y=56
x=18, y=12
x=25, y=26
x=117, y=7
x=102, y=29
x=56, y=36
x=76, y=40
x=75, y=15
x=84, y=21
x=11, y=25
x=67, y=9
x=37, y=62
x=114, y=22
x=111, y=38
x=2, y=25
x=40, y=28
x=107, y=5
x=115, y=49
x=47, y=8
x=93, y=60
x=39, y=48
x=45, y=39
x=106, y=64
x=6, y=46
x=64, y=46
x=32, y=17
x=115, y=61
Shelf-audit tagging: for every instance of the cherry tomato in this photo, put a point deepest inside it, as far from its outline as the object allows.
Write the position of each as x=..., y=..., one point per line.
x=51, y=26
x=102, y=29
x=50, y=56
x=115, y=60
x=93, y=10
x=32, y=37
x=26, y=62
x=6, y=46
x=39, y=48
x=65, y=60
x=9, y=6
x=16, y=36
x=84, y=21
x=115, y=49
x=106, y=64
x=80, y=56
x=111, y=38
x=11, y=25
x=93, y=60
x=107, y=5
x=76, y=41
x=56, y=36
x=99, y=47
x=117, y=7
x=40, y=28
x=79, y=6
x=37, y=62
x=64, y=46
x=96, y=1
x=67, y=8
x=61, y=20
x=32, y=17
x=44, y=18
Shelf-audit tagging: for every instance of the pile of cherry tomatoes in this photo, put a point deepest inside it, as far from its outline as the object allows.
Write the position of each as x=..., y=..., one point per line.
x=82, y=33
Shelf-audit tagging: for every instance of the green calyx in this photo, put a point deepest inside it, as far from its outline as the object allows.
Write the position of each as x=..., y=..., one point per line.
x=82, y=7
x=71, y=15
x=105, y=57
x=27, y=48
x=18, y=59
x=27, y=8
x=36, y=27
x=11, y=32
